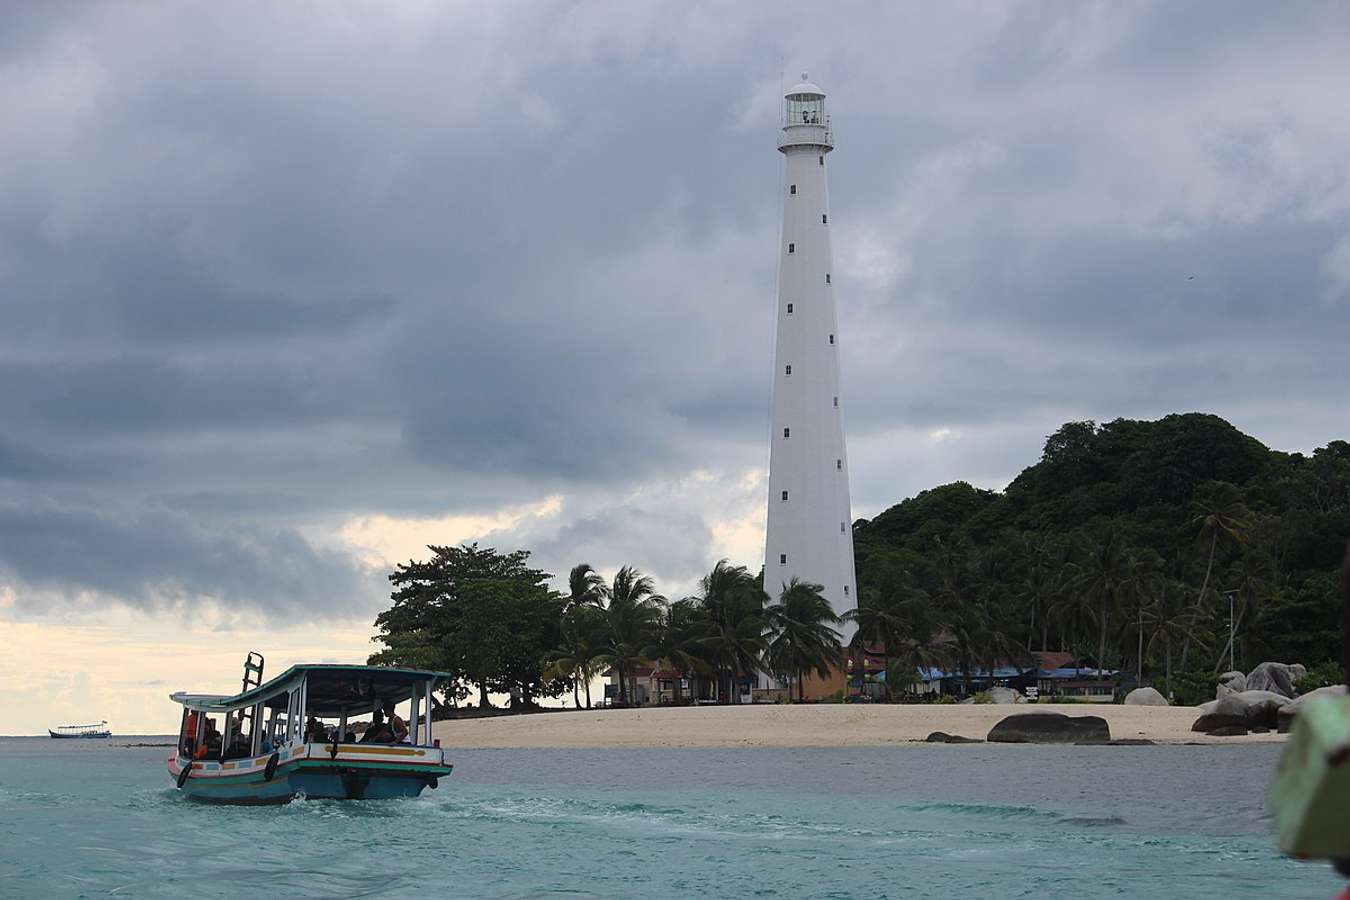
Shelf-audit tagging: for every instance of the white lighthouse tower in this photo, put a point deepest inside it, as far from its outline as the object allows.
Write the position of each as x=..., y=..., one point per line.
x=810, y=534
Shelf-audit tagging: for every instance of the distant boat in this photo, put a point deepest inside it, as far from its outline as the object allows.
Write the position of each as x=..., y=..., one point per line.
x=81, y=731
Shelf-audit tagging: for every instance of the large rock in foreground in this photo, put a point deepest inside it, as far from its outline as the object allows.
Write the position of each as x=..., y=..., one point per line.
x=1278, y=678
x=1145, y=696
x=1050, y=728
x=1284, y=717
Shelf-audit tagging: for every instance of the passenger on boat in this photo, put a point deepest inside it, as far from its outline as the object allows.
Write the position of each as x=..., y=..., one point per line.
x=377, y=732
x=398, y=729
x=239, y=744
x=189, y=742
x=315, y=730
x=210, y=743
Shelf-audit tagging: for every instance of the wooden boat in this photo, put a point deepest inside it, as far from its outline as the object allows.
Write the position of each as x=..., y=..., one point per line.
x=99, y=730
x=294, y=736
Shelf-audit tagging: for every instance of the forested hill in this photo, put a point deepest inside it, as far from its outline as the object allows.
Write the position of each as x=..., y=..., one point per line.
x=1126, y=528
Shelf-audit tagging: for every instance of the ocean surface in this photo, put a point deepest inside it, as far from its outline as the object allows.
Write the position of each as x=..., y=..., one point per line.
x=97, y=819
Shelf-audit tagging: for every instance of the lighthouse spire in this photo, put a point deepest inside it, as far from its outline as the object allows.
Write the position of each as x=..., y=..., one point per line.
x=809, y=534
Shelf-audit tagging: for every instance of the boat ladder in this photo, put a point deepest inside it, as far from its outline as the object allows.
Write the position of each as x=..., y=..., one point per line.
x=253, y=676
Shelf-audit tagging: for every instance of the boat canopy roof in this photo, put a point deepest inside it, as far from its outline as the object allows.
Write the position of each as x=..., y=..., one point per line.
x=331, y=689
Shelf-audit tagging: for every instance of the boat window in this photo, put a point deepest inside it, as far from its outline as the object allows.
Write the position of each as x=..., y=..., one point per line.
x=206, y=741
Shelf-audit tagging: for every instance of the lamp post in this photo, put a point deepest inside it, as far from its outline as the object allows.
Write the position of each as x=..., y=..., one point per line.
x=1232, y=643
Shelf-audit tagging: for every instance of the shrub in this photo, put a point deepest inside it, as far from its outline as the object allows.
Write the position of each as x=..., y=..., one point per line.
x=945, y=699
x=1320, y=676
x=983, y=697
x=1193, y=688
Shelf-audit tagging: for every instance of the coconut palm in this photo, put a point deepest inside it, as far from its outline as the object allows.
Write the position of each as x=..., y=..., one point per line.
x=1169, y=617
x=678, y=642
x=901, y=621
x=1221, y=518
x=631, y=620
x=576, y=657
x=962, y=613
x=801, y=639
x=585, y=587
x=1106, y=575
x=734, y=604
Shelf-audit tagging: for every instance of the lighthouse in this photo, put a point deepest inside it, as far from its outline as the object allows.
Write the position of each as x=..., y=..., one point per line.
x=809, y=534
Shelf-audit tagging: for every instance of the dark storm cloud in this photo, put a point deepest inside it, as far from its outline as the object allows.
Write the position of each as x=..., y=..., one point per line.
x=262, y=273
x=156, y=560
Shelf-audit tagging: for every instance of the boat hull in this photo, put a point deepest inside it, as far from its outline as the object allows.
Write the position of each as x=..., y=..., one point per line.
x=383, y=774
x=93, y=735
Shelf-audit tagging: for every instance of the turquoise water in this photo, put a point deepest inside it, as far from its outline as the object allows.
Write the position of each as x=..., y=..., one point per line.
x=99, y=819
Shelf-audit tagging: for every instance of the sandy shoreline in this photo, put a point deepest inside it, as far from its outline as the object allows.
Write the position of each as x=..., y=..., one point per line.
x=826, y=725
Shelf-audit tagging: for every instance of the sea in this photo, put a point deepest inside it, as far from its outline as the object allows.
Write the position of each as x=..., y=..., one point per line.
x=103, y=819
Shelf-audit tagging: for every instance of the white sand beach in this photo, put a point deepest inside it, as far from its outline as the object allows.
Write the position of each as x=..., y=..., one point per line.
x=824, y=725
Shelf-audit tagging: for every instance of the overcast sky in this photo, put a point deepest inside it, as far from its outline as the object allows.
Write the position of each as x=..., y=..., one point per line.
x=286, y=295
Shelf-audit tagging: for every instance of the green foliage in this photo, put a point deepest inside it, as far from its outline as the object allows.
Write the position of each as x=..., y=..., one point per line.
x=946, y=700
x=800, y=637
x=1324, y=675
x=1192, y=688
x=486, y=617
x=982, y=697
x=1124, y=546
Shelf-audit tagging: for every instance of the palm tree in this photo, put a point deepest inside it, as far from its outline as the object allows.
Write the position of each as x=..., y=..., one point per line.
x=963, y=615
x=631, y=620
x=1253, y=584
x=678, y=642
x=1106, y=575
x=900, y=619
x=801, y=639
x=734, y=604
x=1168, y=618
x=585, y=587
x=582, y=630
x=1221, y=518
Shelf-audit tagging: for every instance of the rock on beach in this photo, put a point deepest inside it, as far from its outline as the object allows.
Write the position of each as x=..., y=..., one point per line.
x=1284, y=717
x=1050, y=728
x=1145, y=696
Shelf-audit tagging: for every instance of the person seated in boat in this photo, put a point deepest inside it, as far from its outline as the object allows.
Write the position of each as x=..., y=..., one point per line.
x=376, y=732
x=315, y=730
x=396, y=727
x=239, y=744
x=188, y=746
x=210, y=742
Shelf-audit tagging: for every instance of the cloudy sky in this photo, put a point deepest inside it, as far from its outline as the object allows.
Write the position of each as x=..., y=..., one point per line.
x=286, y=295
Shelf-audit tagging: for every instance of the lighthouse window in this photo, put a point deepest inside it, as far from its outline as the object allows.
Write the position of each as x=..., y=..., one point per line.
x=824, y=219
x=782, y=559
x=785, y=495
x=839, y=464
x=845, y=590
x=827, y=277
x=787, y=432
x=832, y=340
x=792, y=248
x=787, y=370
x=792, y=189
x=789, y=309
x=836, y=402
x=841, y=529
x=822, y=160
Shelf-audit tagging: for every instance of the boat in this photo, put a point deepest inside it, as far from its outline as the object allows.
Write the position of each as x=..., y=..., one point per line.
x=98, y=730
x=296, y=736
